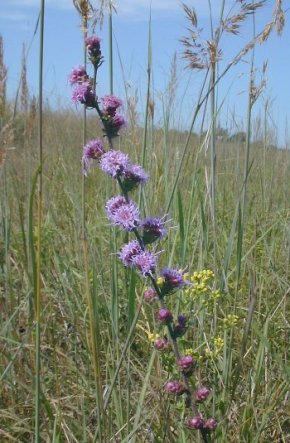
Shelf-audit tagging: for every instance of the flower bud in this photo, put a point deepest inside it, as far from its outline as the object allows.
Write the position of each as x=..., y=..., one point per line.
x=164, y=315
x=195, y=422
x=210, y=424
x=202, y=393
x=175, y=387
x=160, y=344
x=186, y=364
x=150, y=295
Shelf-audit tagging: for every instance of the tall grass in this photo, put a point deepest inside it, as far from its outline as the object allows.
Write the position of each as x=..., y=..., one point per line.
x=101, y=379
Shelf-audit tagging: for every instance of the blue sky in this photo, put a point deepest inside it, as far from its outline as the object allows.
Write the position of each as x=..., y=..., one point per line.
x=63, y=50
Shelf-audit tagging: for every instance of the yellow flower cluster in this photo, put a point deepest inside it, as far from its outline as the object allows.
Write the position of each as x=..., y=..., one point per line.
x=201, y=285
x=218, y=344
x=230, y=321
x=193, y=353
x=152, y=337
x=160, y=281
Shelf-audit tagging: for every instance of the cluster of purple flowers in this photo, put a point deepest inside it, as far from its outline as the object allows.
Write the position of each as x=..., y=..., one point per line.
x=123, y=212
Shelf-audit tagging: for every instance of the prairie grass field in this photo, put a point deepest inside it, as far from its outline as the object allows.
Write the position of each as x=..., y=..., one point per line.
x=100, y=378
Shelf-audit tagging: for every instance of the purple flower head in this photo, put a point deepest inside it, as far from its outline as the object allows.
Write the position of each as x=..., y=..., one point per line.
x=173, y=280
x=118, y=122
x=93, y=43
x=160, y=344
x=164, y=315
x=78, y=75
x=145, y=262
x=202, y=393
x=175, y=387
x=180, y=326
x=133, y=175
x=126, y=216
x=114, y=204
x=153, y=229
x=150, y=295
x=195, y=422
x=186, y=364
x=210, y=424
x=83, y=94
x=129, y=251
x=110, y=104
x=113, y=124
x=92, y=151
x=114, y=162
x=94, y=50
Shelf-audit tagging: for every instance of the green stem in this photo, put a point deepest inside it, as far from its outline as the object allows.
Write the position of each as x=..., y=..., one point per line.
x=39, y=223
x=111, y=62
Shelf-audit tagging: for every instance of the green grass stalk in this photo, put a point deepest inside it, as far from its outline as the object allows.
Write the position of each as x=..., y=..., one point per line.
x=39, y=228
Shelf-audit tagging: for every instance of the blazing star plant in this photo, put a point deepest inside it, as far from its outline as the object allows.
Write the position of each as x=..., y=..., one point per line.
x=139, y=253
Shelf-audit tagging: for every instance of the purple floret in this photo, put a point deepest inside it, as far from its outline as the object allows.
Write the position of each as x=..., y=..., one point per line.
x=127, y=216
x=114, y=204
x=114, y=162
x=78, y=75
x=110, y=104
x=145, y=262
x=175, y=387
x=83, y=93
x=173, y=280
x=196, y=422
x=153, y=229
x=133, y=176
x=129, y=252
x=93, y=43
x=93, y=150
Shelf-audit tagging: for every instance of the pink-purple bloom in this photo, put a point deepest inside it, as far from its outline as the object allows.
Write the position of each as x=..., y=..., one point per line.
x=114, y=204
x=164, y=315
x=129, y=251
x=150, y=295
x=83, y=94
x=153, y=229
x=186, y=364
x=180, y=326
x=78, y=75
x=202, y=393
x=114, y=162
x=117, y=123
x=160, y=344
x=210, y=424
x=132, y=176
x=93, y=150
x=127, y=216
x=175, y=387
x=195, y=422
x=173, y=280
x=110, y=104
x=93, y=43
x=145, y=262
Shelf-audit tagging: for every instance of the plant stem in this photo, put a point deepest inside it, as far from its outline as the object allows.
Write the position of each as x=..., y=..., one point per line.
x=39, y=225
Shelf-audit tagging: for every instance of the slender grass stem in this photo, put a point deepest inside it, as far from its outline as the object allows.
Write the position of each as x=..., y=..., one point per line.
x=39, y=227
x=111, y=61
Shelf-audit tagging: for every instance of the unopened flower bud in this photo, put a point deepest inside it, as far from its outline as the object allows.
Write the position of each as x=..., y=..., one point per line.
x=202, y=393
x=210, y=424
x=186, y=364
x=150, y=295
x=195, y=422
x=164, y=315
x=175, y=387
x=160, y=344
